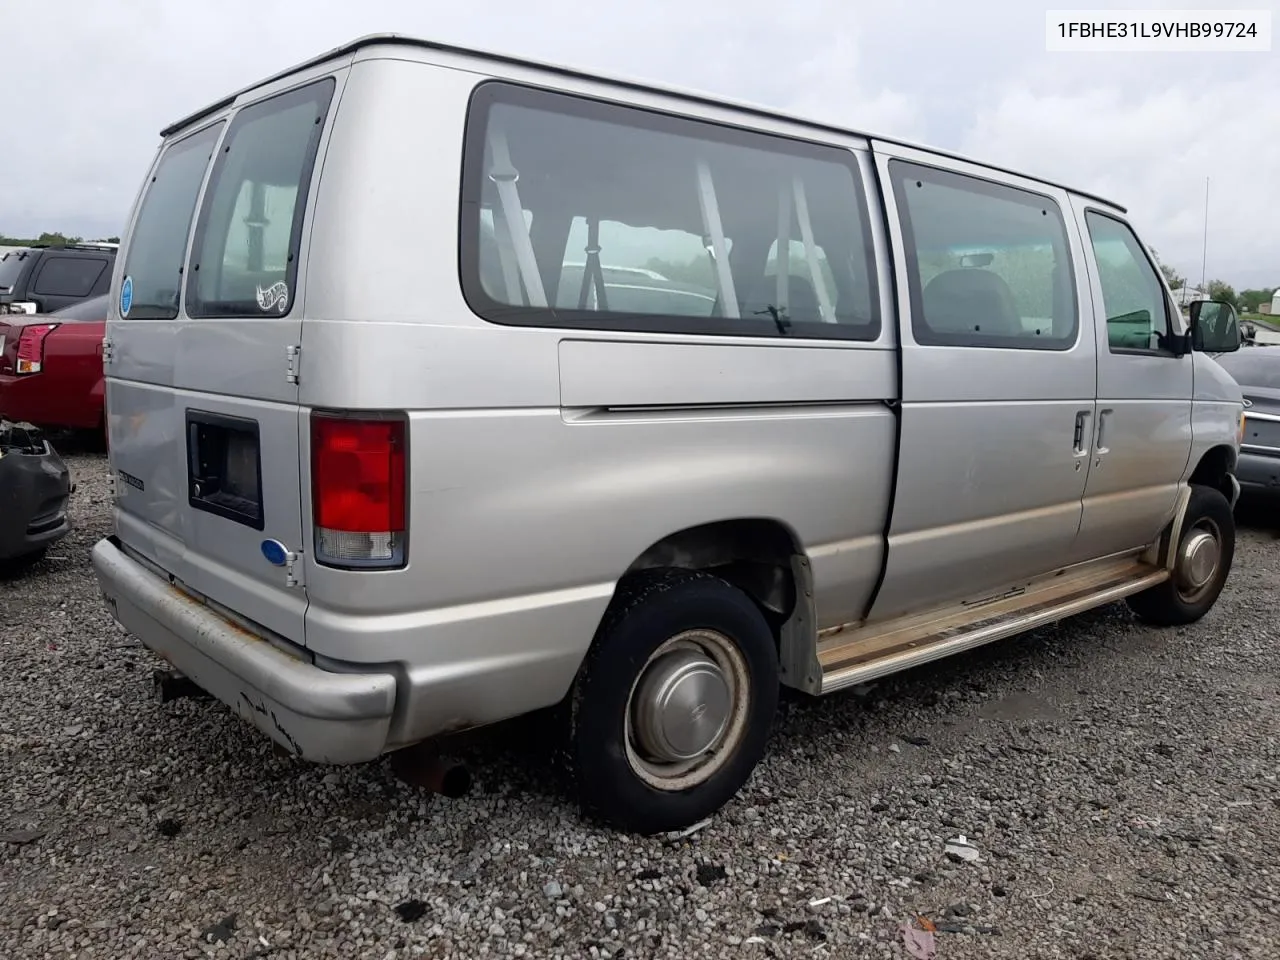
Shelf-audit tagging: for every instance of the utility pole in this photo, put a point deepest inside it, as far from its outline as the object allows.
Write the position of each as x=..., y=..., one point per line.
x=1204, y=257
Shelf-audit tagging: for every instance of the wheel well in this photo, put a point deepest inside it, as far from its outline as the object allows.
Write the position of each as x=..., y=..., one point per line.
x=754, y=554
x=1214, y=468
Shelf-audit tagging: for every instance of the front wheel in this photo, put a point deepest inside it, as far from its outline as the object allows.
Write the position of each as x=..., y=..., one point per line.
x=1205, y=551
x=672, y=709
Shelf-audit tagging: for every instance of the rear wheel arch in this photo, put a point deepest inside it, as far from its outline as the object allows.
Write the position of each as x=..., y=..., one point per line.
x=765, y=559
x=754, y=554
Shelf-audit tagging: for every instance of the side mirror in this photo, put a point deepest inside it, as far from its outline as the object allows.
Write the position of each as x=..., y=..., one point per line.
x=1214, y=327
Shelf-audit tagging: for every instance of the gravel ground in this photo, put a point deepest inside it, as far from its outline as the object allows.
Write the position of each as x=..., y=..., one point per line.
x=1120, y=784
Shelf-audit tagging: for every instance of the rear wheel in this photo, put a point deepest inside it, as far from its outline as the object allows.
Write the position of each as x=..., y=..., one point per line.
x=673, y=706
x=1205, y=550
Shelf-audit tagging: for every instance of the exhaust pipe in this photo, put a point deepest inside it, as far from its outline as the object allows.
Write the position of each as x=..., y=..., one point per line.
x=424, y=767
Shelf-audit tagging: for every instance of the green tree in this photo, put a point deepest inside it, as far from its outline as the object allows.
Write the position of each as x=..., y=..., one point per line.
x=57, y=239
x=1221, y=290
x=1253, y=298
x=1175, y=279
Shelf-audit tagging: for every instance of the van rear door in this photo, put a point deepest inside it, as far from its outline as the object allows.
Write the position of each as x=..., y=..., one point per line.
x=202, y=391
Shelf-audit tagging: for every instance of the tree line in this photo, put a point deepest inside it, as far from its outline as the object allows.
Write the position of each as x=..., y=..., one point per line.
x=1246, y=301
x=51, y=239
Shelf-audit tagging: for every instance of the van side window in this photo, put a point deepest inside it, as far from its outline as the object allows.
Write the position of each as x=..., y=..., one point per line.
x=582, y=213
x=1133, y=296
x=158, y=241
x=245, y=252
x=988, y=265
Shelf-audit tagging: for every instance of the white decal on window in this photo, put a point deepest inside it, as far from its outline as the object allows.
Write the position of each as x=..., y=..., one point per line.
x=275, y=297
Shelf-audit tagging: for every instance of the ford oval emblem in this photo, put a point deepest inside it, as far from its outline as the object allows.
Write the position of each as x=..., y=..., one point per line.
x=275, y=552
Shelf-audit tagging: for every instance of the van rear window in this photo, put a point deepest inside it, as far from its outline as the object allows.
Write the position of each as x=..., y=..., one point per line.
x=159, y=238
x=578, y=212
x=246, y=244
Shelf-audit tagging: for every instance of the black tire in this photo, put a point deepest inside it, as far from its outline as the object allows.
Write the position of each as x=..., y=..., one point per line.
x=646, y=613
x=1172, y=604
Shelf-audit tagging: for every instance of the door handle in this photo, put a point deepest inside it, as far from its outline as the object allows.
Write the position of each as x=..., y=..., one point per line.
x=1101, y=444
x=1080, y=442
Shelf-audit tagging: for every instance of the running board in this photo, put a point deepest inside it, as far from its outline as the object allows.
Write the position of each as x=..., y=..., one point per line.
x=856, y=654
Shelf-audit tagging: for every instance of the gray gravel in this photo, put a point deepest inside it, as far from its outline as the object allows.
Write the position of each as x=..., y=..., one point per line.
x=1120, y=784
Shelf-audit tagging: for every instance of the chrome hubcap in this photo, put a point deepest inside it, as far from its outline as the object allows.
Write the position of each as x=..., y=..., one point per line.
x=688, y=709
x=681, y=707
x=1198, y=560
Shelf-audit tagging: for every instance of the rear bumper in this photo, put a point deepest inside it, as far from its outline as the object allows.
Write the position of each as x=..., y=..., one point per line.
x=34, y=491
x=314, y=713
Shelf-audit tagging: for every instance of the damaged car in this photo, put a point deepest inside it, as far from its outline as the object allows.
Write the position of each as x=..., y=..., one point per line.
x=35, y=489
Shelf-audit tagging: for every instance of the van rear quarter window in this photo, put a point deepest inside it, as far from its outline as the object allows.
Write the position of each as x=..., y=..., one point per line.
x=245, y=250
x=588, y=214
x=158, y=242
x=988, y=265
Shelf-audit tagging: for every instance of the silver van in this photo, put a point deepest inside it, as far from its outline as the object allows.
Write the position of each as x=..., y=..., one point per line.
x=445, y=387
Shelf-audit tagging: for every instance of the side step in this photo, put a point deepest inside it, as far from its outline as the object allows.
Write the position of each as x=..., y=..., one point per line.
x=855, y=654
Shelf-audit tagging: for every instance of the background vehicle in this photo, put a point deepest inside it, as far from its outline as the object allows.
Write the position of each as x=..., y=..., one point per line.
x=51, y=366
x=44, y=279
x=1258, y=373
x=897, y=404
x=35, y=487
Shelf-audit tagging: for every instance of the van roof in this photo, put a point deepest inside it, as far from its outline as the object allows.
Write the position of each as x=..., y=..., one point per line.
x=693, y=96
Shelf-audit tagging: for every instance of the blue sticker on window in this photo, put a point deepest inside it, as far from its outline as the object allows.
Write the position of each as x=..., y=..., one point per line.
x=126, y=296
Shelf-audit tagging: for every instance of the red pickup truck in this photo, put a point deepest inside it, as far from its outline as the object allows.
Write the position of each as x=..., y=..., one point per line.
x=51, y=366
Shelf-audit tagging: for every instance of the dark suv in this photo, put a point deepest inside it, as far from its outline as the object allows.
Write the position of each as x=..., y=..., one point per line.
x=42, y=279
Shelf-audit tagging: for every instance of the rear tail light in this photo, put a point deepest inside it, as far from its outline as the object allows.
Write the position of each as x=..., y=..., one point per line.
x=31, y=347
x=358, y=490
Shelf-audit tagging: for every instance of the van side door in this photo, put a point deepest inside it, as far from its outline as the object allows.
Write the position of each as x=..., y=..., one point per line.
x=998, y=380
x=206, y=315
x=1142, y=432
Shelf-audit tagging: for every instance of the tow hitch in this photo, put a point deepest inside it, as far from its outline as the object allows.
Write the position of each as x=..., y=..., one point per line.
x=168, y=685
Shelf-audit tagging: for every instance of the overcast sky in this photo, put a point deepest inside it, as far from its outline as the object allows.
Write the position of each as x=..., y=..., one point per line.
x=99, y=80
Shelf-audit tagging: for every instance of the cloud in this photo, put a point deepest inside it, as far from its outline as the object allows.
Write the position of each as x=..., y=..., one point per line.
x=1144, y=128
x=1151, y=152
